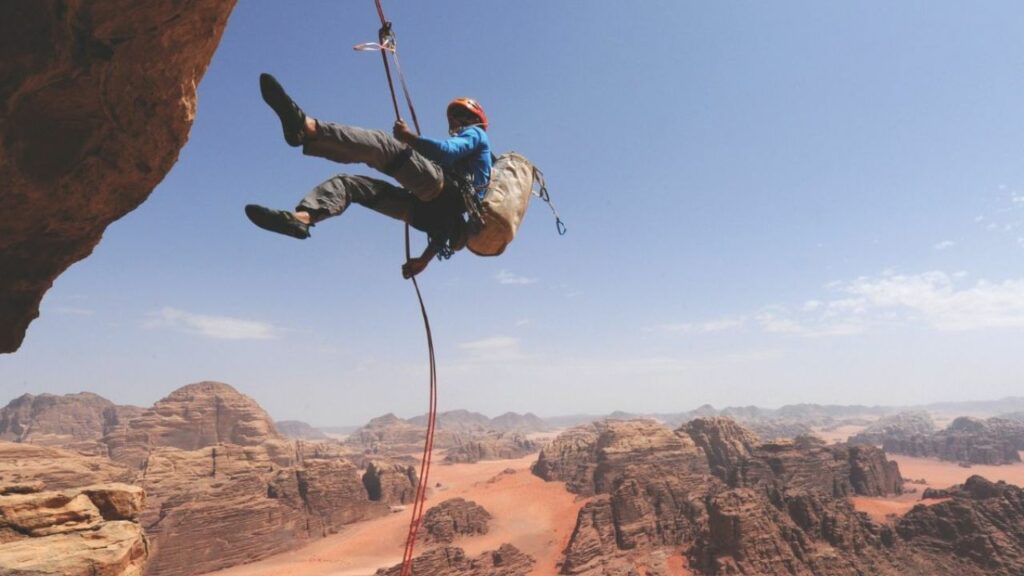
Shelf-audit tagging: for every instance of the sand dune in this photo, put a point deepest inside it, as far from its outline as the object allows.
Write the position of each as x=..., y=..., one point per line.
x=535, y=516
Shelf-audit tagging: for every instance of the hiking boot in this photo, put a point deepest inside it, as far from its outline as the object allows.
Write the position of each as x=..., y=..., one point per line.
x=293, y=119
x=280, y=221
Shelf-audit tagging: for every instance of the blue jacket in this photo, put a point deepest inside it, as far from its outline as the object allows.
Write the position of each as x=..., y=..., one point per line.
x=467, y=153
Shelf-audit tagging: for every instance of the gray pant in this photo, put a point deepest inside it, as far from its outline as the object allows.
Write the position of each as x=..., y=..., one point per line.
x=422, y=179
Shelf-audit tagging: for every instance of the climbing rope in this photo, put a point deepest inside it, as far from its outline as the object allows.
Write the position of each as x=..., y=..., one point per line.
x=386, y=44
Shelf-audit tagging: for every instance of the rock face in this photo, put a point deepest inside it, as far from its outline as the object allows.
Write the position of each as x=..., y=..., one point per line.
x=452, y=518
x=725, y=443
x=190, y=418
x=392, y=484
x=91, y=531
x=903, y=425
x=776, y=508
x=389, y=435
x=490, y=446
x=450, y=561
x=981, y=523
x=225, y=488
x=56, y=469
x=524, y=423
x=97, y=100
x=457, y=421
x=970, y=440
x=73, y=421
x=225, y=505
x=299, y=430
x=806, y=464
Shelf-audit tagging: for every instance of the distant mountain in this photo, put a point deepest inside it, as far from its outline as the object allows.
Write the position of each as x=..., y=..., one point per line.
x=464, y=421
x=299, y=430
x=791, y=418
x=456, y=421
x=977, y=408
x=73, y=421
x=512, y=422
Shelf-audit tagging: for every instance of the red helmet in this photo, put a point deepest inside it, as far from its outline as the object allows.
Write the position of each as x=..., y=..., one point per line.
x=471, y=106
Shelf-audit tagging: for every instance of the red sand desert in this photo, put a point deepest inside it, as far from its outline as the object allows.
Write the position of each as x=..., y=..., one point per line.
x=535, y=516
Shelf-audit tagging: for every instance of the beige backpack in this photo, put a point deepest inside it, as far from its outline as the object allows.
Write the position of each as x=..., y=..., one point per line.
x=504, y=205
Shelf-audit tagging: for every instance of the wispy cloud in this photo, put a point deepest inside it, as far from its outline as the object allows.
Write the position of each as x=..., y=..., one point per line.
x=216, y=327
x=944, y=245
x=939, y=300
x=506, y=277
x=493, y=349
x=707, y=327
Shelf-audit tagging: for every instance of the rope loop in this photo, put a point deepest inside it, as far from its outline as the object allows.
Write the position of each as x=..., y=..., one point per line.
x=544, y=195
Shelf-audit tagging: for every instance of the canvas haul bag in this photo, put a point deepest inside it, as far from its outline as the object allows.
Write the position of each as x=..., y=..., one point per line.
x=504, y=205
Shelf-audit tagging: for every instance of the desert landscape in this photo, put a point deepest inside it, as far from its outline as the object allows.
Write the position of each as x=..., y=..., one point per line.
x=801, y=212
x=205, y=483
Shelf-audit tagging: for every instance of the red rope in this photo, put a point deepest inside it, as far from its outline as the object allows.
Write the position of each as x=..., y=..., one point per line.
x=428, y=443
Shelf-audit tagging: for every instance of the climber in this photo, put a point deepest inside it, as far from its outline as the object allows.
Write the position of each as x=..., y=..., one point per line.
x=431, y=172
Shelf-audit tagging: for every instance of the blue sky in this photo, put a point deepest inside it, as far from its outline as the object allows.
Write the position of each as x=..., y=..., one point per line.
x=767, y=203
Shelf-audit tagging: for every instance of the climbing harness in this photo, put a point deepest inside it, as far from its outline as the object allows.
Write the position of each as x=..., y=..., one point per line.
x=386, y=44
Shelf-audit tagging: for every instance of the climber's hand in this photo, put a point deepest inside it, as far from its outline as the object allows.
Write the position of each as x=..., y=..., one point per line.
x=414, y=266
x=402, y=133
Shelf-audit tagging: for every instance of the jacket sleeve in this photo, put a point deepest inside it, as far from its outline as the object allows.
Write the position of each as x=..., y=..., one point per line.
x=450, y=149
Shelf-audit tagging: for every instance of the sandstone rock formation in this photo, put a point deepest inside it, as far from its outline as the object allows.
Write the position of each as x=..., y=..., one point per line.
x=982, y=522
x=226, y=488
x=452, y=518
x=392, y=484
x=299, y=430
x=450, y=561
x=56, y=469
x=457, y=421
x=73, y=421
x=524, y=423
x=777, y=508
x=97, y=100
x=903, y=425
x=190, y=418
x=992, y=441
x=571, y=458
x=490, y=446
x=91, y=531
x=389, y=435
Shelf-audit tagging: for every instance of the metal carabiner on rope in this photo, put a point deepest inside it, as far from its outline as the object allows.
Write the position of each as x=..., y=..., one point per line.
x=543, y=194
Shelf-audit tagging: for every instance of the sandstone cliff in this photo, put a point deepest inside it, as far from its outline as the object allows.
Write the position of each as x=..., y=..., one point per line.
x=490, y=446
x=194, y=417
x=72, y=421
x=450, y=561
x=225, y=505
x=56, y=469
x=903, y=425
x=970, y=440
x=453, y=518
x=390, y=483
x=226, y=488
x=982, y=523
x=97, y=99
x=777, y=508
x=90, y=531
x=389, y=435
